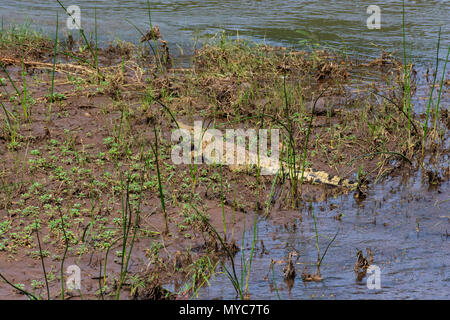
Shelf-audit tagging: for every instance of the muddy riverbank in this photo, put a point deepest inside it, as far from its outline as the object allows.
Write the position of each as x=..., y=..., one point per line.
x=87, y=176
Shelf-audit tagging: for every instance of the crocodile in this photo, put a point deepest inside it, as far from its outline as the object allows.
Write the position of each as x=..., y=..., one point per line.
x=268, y=165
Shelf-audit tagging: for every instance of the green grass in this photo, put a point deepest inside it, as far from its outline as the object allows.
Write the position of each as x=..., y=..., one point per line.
x=12, y=35
x=11, y=125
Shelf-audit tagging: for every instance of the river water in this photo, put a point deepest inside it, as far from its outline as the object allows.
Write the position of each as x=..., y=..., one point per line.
x=339, y=24
x=405, y=224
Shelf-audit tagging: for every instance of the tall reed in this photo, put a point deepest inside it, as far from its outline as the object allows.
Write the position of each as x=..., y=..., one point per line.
x=66, y=240
x=43, y=264
x=154, y=38
x=319, y=257
x=246, y=269
x=53, y=69
x=430, y=99
x=407, y=85
x=308, y=132
x=87, y=43
x=291, y=148
x=127, y=213
x=153, y=47
x=160, y=188
x=24, y=99
x=28, y=294
x=436, y=111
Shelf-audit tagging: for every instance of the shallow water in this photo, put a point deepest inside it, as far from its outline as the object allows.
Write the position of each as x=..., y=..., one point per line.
x=340, y=24
x=414, y=264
